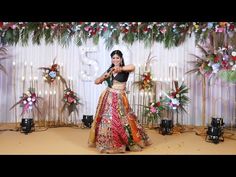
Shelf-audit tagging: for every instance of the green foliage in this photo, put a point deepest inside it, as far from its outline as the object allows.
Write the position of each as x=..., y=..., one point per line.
x=171, y=34
x=229, y=76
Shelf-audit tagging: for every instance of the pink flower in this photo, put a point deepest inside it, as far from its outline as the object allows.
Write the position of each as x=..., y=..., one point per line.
x=153, y=109
x=70, y=99
x=87, y=28
x=163, y=30
x=220, y=30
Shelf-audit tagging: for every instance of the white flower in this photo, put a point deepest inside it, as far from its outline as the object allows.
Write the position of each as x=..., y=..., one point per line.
x=33, y=99
x=77, y=27
x=223, y=48
x=30, y=103
x=234, y=68
x=233, y=53
x=177, y=95
x=231, y=63
x=175, y=101
x=24, y=102
x=29, y=99
x=216, y=67
x=28, y=93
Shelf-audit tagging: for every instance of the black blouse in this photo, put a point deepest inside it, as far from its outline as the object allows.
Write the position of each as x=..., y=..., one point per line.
x=121, y=77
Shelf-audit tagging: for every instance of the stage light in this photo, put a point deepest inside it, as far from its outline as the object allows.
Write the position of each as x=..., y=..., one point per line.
x=166, y=127
x=217, y=122
x=87, y=120
x=27, y=125
x=215, y=131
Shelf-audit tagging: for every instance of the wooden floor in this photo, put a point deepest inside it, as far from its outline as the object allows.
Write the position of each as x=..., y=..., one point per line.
x=69, y=140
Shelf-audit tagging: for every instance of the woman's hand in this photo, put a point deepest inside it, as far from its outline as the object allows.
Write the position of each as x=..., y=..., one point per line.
x=100, y=80
x=106, y=76
x=117, y=69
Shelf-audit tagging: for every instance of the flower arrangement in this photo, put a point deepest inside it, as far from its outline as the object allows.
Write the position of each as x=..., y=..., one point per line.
x=70, y=100
x=28, y=101
x=153, y=111
x=50, y=74
x=177, y=99
x=145, y=83
x=221, y=62
x=204, y=29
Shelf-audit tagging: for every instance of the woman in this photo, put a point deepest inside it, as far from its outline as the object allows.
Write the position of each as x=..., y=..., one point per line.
x=115, y=127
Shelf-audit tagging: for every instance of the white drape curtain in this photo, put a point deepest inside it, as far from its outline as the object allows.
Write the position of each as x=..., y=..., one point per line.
x=220, y=102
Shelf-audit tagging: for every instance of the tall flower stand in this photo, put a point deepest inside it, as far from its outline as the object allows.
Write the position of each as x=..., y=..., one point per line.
x=177, y=128
x=202, y=130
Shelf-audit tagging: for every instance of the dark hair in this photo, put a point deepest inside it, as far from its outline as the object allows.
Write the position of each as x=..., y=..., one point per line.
x=120, y=54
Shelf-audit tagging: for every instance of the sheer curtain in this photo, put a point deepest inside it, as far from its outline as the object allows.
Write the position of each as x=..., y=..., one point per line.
x=220, y=101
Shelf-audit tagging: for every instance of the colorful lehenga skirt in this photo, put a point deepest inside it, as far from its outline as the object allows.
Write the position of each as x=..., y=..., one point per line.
x=115, y=127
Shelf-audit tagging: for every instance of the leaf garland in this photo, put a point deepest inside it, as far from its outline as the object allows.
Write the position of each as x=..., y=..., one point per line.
x=171, y=34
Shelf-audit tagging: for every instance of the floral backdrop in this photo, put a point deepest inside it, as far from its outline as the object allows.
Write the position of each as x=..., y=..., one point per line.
x=171, y=34
x=99, y=39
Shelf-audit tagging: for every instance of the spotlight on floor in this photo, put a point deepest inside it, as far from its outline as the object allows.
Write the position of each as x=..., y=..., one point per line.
x=87, y=120
x=166, y=127
x=27, y=125
x=215, y=131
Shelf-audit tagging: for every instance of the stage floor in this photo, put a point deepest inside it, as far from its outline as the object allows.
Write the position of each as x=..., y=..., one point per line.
x=73, y=141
